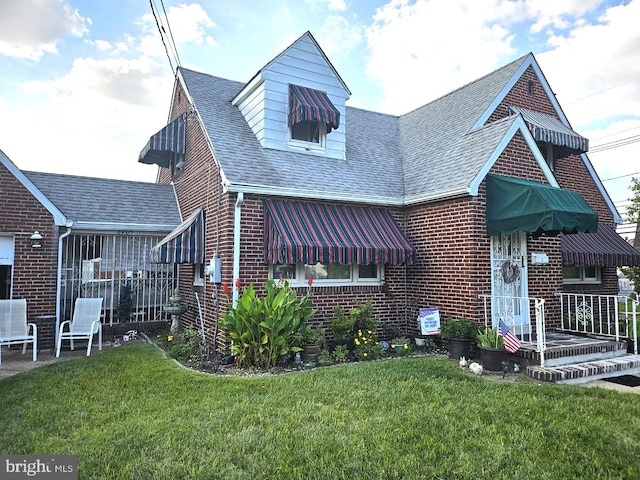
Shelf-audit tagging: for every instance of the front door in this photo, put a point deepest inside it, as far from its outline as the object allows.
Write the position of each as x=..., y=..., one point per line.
x=509, y=281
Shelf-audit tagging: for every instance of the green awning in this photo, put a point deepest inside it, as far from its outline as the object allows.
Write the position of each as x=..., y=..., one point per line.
x=516, y=204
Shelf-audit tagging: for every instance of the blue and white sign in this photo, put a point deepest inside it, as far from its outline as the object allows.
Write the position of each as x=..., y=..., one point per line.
x=429, y=321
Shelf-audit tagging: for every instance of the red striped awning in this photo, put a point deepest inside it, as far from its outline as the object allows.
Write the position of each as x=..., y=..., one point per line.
x=168, y=146
x=604, y=248
x=185, y=244
x=312, y=105
x=317, y=232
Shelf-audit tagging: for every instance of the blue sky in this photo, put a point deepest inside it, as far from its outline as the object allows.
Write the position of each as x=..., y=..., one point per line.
x=86, y=82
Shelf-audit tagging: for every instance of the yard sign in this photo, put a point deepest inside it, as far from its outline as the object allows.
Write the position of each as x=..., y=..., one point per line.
x=429, y=320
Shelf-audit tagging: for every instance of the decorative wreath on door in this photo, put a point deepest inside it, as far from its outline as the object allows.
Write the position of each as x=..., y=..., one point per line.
x=510, y=271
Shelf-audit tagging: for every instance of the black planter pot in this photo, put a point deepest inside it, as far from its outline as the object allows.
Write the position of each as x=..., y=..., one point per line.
x=492, y=358
x=460, y=347
x=310, y=353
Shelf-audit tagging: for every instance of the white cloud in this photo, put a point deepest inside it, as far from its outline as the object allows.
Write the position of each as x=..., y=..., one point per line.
x=93, y=120
x=189, y=24
x=337, y=37
x=431, y=47
x=31, y=28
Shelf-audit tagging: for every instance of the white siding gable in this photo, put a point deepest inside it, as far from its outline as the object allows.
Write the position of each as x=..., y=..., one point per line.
x=264, y=102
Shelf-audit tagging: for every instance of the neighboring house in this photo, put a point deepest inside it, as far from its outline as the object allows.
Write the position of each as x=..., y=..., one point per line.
x=478, y=201
x=64, y=236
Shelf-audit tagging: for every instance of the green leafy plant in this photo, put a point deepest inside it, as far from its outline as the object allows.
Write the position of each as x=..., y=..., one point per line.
x=262, y=330
x=187, y=345
x=346, y=325
x=490, y=338
x=460, y=328
x=341, y=353
x=325, y=357
x=311, y=335
x=367, y=345
x=389, y=331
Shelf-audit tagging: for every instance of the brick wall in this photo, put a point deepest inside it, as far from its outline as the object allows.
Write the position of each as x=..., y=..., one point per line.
x=453, y=249
x=34, y=269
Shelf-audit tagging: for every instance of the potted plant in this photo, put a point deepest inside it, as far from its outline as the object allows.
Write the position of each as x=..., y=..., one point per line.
x=311, y=339
x=400, y=345
x=461, y=333
x=492, y=351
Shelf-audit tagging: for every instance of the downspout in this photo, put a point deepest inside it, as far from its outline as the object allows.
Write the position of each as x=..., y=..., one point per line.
x=236, y=246
x=59, y=277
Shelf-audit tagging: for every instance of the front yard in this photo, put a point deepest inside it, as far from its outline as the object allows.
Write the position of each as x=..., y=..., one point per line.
x=132, y=413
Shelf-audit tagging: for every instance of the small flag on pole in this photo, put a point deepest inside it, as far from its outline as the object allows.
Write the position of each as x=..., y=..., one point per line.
x=511, y=342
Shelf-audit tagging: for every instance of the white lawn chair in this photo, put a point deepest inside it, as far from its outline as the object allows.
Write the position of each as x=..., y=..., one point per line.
x=84, y=324
x=14, y=328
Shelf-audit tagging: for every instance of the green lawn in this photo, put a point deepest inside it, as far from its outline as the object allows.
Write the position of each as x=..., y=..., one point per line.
x=130, y=413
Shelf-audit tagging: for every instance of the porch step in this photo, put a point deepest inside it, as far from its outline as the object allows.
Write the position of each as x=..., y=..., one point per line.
x=588, y=371
x=569, y=350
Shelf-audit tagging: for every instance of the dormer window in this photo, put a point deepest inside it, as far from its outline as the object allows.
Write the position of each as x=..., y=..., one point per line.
x=311, y=117
x=307, y=131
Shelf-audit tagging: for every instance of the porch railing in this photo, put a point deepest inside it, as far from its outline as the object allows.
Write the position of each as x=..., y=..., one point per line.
x=603, y=315
x=517, y=313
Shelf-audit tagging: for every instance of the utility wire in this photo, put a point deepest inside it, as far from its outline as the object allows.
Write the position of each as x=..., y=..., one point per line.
x=160, y=30
x=602, y=91
x=615, y=144
x=173, y=43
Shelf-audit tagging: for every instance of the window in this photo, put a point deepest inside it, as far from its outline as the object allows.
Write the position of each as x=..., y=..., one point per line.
x=328, y=274
x=306, y=131
x=575, y=274
x=308, y=134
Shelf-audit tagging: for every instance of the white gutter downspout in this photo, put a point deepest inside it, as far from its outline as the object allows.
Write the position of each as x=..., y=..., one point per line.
x=236, y=246
x=59, y=278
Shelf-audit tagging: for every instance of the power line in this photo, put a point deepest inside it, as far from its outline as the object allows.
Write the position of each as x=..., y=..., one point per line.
x=615, y=144
x=160, y=30
x=602, y=91
x=621, y=176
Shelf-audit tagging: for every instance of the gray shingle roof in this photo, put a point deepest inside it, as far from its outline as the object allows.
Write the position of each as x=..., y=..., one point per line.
x=101, y=200
x=388, y=158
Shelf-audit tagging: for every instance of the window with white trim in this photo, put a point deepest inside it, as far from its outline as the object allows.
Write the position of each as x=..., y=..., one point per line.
x=328, y=274
x=581, y=274
x=308, y=134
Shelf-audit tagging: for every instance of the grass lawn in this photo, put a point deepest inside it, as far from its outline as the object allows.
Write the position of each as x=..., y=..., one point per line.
x=131, y=413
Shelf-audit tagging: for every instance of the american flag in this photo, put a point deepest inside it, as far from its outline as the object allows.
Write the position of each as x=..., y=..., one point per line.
x=511, y=342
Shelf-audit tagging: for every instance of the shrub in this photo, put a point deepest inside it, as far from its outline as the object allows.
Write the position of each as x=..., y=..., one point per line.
x=367, y=345
x=461, y=328
x=262, y=330
x=346, y=325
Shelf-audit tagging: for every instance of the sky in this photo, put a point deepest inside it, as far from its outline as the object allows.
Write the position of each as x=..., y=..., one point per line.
x=85, y=83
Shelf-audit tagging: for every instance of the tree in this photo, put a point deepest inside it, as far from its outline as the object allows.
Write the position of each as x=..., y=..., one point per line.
x=633, y=217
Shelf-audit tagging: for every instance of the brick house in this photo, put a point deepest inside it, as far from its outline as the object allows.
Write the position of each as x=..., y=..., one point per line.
x=481, y=200
x=64, y=237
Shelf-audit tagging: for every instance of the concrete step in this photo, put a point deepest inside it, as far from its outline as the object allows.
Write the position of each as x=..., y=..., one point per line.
x=567, y=350
x=582, y=372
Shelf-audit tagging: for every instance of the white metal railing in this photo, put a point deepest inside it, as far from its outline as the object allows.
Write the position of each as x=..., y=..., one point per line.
x=516, y=312
x=604, y=315
x=102, y=265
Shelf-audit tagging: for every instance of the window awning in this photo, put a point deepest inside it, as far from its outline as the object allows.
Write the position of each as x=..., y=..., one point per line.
x=314, y=105
x=546, y=128
x=185, y=244
x=168, y=146
x=316, y=232
x=604, y=248
x=516, y=204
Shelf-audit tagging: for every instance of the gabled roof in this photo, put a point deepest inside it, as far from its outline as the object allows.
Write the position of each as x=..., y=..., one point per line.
x=441, y=149
x=103, y=204
x=372, y=171
x=58, y=217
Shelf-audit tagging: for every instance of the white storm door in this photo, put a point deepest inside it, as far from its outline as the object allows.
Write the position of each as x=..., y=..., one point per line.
x=509, y=281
